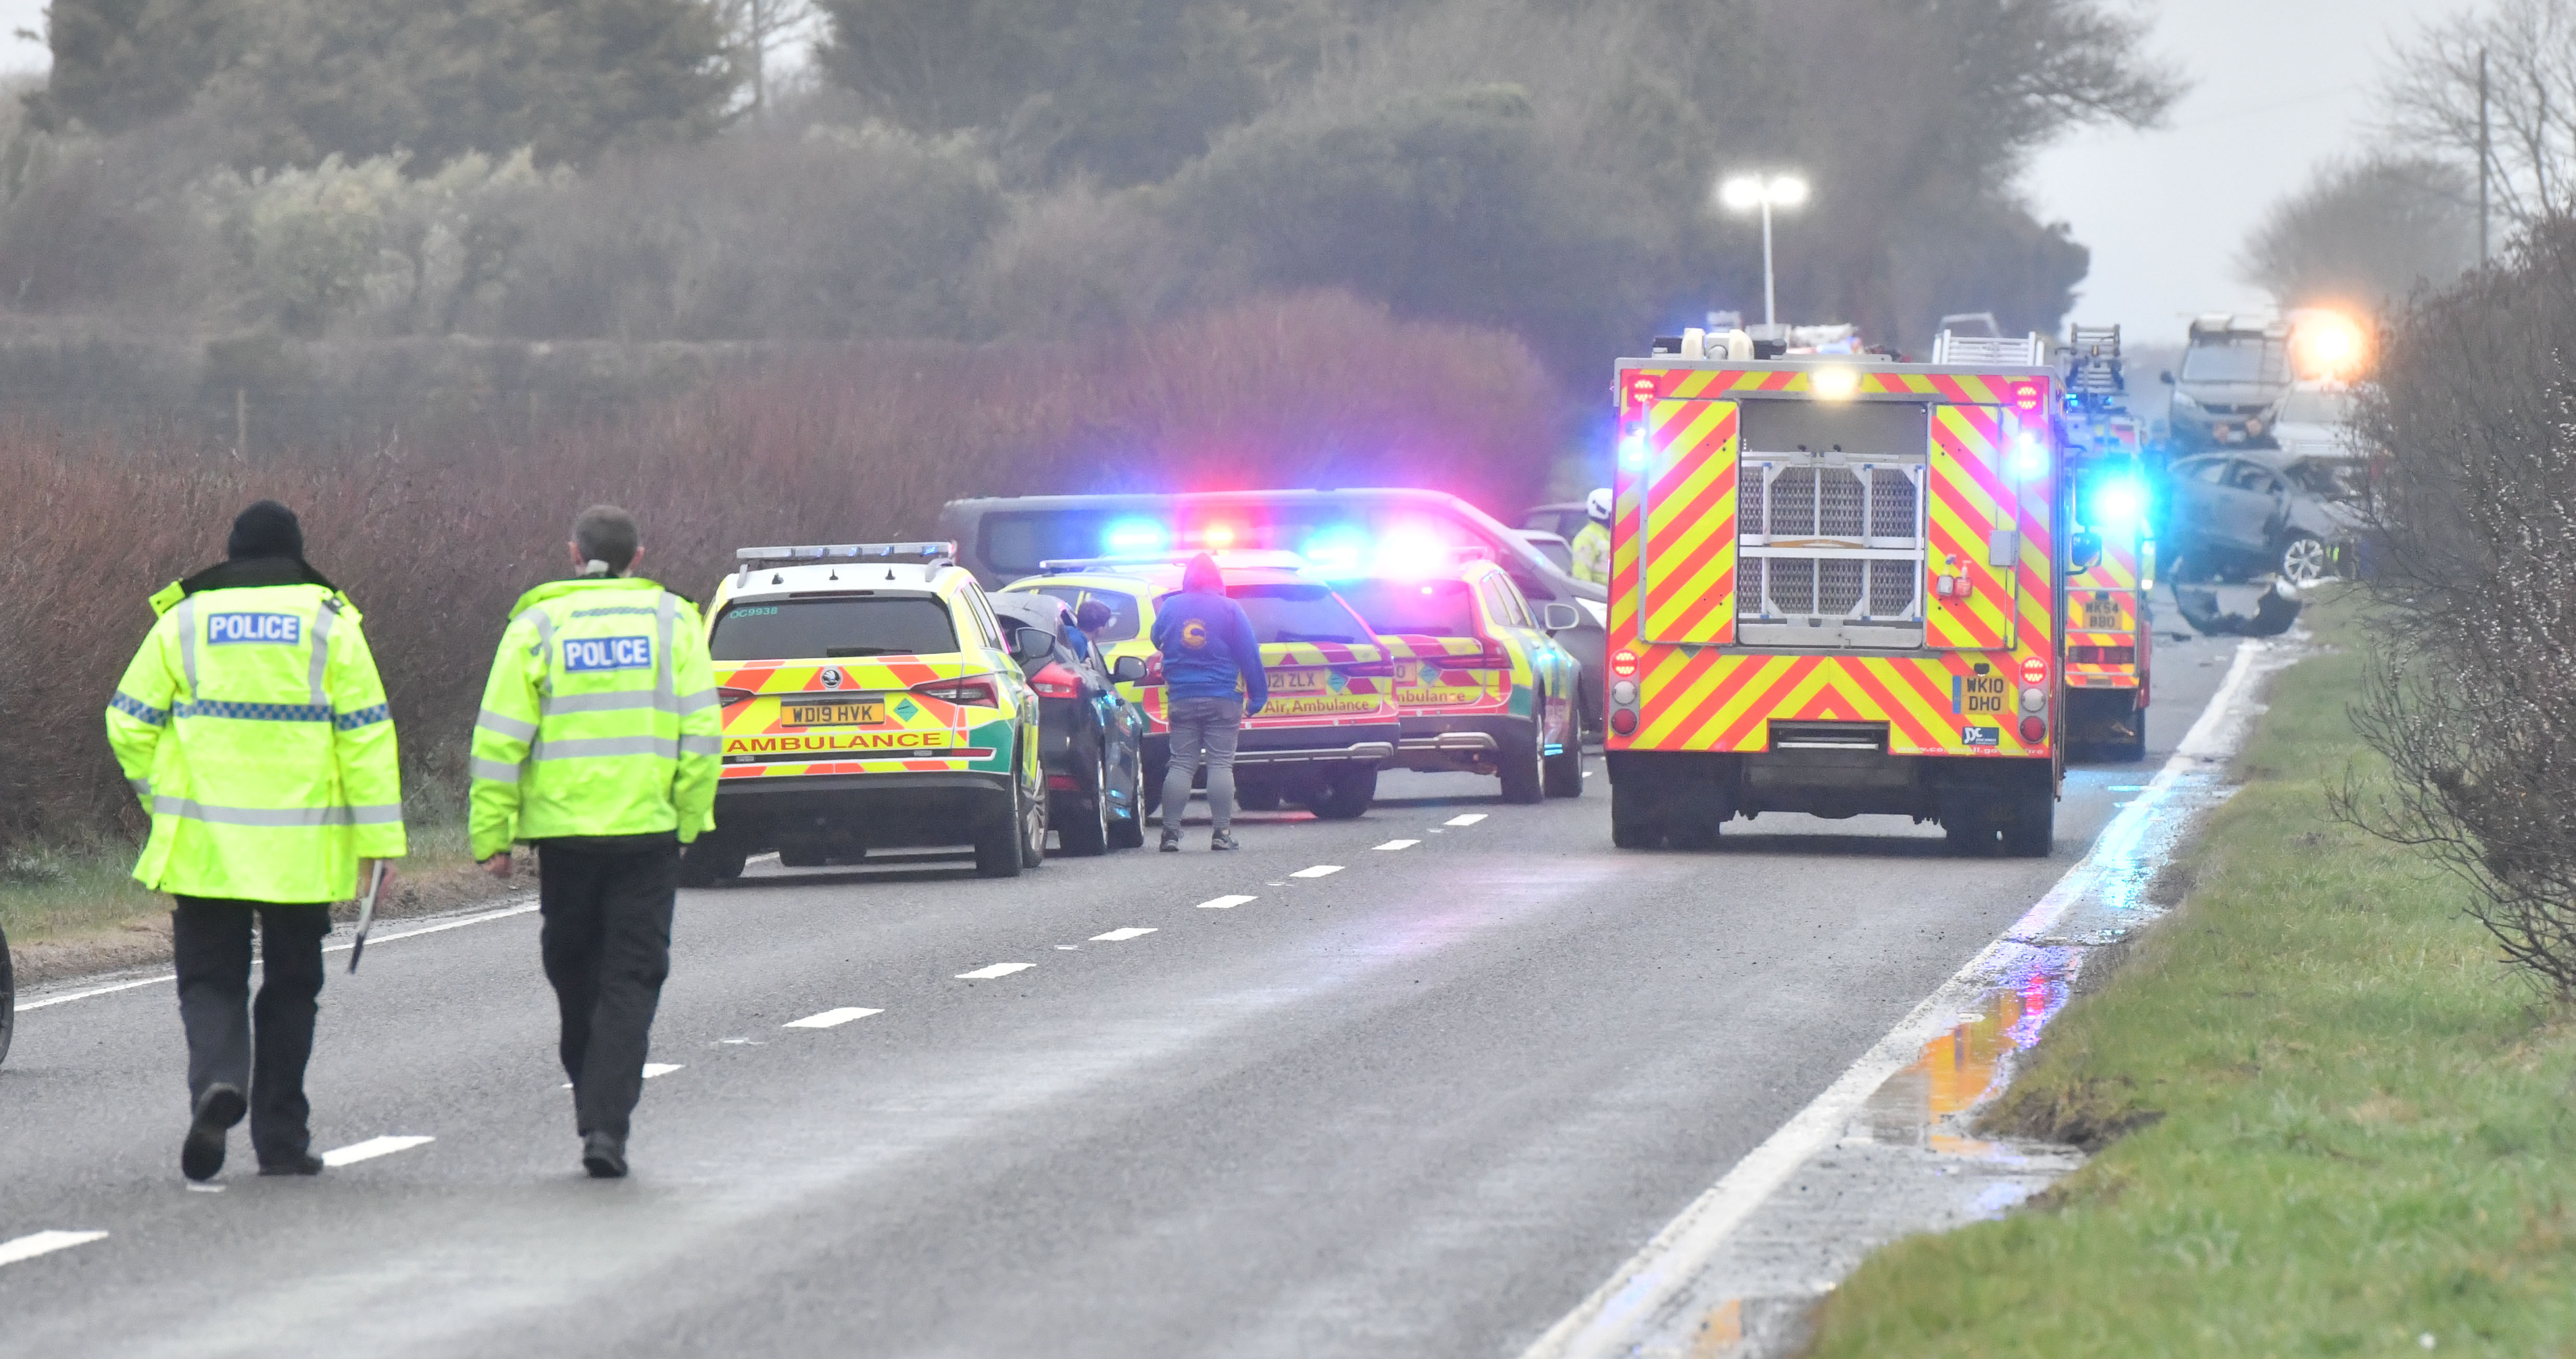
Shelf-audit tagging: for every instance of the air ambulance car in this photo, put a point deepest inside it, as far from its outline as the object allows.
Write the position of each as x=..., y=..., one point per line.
x=2111, y=551
x=1331, y=720
x=871, y=701
x=1480, y=682
x=1835, y=590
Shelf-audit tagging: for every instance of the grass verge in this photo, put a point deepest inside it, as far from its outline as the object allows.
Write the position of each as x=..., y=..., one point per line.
x=2346, y=1127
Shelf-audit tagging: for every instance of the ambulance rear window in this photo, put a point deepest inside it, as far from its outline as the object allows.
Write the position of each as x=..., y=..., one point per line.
x=818, y=629
x=1414, y=608
x=1289, y=612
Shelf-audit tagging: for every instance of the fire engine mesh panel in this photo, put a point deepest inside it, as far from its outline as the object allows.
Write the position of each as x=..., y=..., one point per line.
x=1891, y=588
x=1793, y=584
x=1793, y=503
x=1837, y=586
x=1838, y=503
x=1892, y=505
x=1748, y=587
x=1749, y=500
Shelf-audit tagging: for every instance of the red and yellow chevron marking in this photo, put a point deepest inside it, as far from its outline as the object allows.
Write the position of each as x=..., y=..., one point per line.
x=1968, y=487
x=1689, y=562
x=1709, y=701
x=2118, y=568
x=1962, y=388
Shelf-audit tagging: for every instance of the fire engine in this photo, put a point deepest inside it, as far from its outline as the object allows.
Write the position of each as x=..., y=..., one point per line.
x=1836, y=585
x=2111, y=554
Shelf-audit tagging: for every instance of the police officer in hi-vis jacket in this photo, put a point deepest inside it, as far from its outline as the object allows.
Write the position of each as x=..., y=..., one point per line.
x=253, y=727
x=597, y=743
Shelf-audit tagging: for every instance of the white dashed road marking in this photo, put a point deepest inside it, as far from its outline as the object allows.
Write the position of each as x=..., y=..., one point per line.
x=653, y=1069
x=996, y=970
x=43, y=1243
x=1117, y=936
x=830, y=1019
x=1318, y=871
x=370, y=1149
x=1469, y=819
x=1225, y=903
x=1399, y=844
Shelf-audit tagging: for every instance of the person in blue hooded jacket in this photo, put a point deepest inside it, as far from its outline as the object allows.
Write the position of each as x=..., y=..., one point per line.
x=1212, y=680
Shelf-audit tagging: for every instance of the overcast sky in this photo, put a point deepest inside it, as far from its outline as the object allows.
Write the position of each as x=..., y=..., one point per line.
x=2280, y=85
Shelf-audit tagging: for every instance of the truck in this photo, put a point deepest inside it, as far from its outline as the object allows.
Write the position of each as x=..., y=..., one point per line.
x=1836, y=589
x=2111, y=554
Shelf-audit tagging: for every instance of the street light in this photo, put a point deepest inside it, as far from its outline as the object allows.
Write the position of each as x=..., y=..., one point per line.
x=1743, y=193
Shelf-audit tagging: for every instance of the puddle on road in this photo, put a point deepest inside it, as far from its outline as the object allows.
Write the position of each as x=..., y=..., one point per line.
x=1931, y=1103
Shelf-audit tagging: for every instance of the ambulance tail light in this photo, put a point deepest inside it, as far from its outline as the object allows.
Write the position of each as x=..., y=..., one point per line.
x=977, y=692
x=1368, y=669
x=2034, y=728
x=1063, y=783
x=1056, y=680
x=1493, y=657
x=727, y=695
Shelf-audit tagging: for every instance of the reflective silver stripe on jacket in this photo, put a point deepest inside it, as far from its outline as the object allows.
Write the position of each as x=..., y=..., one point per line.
x=600, y=703
x=701, y=745
x=500, y=725
x=599, y=747
x=381, y=814
x=188, y=642
x=142, y=787
x=614, y=611
x=666, y=670
x=321, y=654
x=492, y=770
x=697, y=702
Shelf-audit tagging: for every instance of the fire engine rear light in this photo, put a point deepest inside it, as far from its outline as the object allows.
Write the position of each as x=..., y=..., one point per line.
x=973, y=693
x=1055, y=680
x=2033, y=699
x=2033, y=728
x=1623, y=722
x=1624, y=665
x=1624, y=693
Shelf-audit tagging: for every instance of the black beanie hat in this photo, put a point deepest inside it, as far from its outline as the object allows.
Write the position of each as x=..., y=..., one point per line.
x=266, y=529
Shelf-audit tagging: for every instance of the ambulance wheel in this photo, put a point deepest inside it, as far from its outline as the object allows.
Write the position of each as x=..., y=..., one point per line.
x=1345, y=796
x=1524, y=769
x=8, y=998
x=997, y=840
x=1565, y=771
x=2032, y=832
x=710, y=860
x=1085, y=833
x=1632, y=826
x=1033, y=831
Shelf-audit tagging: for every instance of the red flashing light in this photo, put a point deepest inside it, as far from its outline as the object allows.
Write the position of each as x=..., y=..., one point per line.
x=1624, y=665
x=1624, y=721
x=1056, y=680
x=2034, y=670
x=2033, y=728
x=2029, y=397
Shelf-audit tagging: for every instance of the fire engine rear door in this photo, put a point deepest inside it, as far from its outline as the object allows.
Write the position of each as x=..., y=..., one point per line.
x=1972, y=569
x=1686, y=570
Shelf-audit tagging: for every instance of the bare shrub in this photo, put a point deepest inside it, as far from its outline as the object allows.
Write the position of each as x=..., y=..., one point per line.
x=830, y=444
x=2472, y=695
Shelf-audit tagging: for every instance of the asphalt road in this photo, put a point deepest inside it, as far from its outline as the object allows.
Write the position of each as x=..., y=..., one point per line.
x=1420, y=1105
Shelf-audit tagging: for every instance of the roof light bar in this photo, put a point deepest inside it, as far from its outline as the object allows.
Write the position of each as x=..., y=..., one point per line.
x=831, y=552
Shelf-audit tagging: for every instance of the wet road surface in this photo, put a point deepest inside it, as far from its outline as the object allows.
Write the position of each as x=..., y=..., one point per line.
x=1419, y=1104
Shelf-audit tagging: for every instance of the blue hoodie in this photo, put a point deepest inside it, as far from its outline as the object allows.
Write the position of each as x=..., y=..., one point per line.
x=1207, y=644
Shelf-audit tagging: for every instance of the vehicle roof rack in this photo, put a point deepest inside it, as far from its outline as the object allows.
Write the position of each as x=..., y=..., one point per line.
x=2094, y=379
x=2022, y=351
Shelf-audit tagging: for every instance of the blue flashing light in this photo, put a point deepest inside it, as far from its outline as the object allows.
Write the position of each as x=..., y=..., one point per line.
x=2031, y=457
x=1341, y=550
x=2118, y=505
x=1632, y=451
x=1135, y=538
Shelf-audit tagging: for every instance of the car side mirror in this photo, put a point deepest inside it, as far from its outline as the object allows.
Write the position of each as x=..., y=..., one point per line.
x=1032, y=646
x=1560, y=617
x=2166, y=377
x=1128, y=670
x=2082, y=551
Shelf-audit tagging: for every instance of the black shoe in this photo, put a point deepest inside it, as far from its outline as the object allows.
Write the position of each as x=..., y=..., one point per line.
x=1224, y=840
x=301, y=1163
x=604, y=1156
x=1171, y=842
x=201, y=1157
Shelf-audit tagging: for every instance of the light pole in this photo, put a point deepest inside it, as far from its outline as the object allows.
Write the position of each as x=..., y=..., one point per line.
x=1744, y=192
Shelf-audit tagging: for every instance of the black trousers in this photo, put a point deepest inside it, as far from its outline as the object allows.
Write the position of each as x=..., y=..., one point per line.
x=259, y=1048
x=607, y=948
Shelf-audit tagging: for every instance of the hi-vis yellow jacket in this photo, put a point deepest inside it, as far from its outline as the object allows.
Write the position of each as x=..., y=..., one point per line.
x=253, y=725
x=600, y=718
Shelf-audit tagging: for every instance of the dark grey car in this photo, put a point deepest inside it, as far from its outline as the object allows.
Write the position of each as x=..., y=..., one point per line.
x=2234, y=515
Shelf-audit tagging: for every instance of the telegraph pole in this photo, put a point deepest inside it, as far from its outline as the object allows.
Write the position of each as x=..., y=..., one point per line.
x=2485, y=157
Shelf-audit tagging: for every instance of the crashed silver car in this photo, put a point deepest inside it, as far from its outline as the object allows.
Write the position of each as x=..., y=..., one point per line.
x=2239, y=516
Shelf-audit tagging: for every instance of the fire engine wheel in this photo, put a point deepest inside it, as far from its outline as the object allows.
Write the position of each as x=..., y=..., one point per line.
x=1345, y=796
x=2303, y=560
x=1970, y=833
x=1085, y=834
x=2135, y=748
x=2032, y=832
x=1633, y=825
x=1524, y=769
x=1565, y=770
x=8, y=999
x=713, y=858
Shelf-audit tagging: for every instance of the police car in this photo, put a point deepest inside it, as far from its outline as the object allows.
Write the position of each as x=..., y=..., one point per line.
x=1331, y=720
x=871, y=700
x=1480, y=681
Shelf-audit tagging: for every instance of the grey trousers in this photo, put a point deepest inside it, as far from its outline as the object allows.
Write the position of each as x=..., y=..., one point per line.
x=1209, y=724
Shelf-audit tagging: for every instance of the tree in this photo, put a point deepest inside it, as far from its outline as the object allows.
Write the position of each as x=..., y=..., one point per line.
x=299, y=80
x=2365, y=233
x=2528, y=49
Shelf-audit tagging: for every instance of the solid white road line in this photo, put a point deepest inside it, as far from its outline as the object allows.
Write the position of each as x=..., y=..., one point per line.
x=1612, y=1320
x=1225, y=903
x=372, y=1148
x=1399, y=844
x=44, y=1243
x=996, y=970
x=830, y=1019
x=653, y=1069
x=1318, y=871
x=1469, y=819
x=1116, y=936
